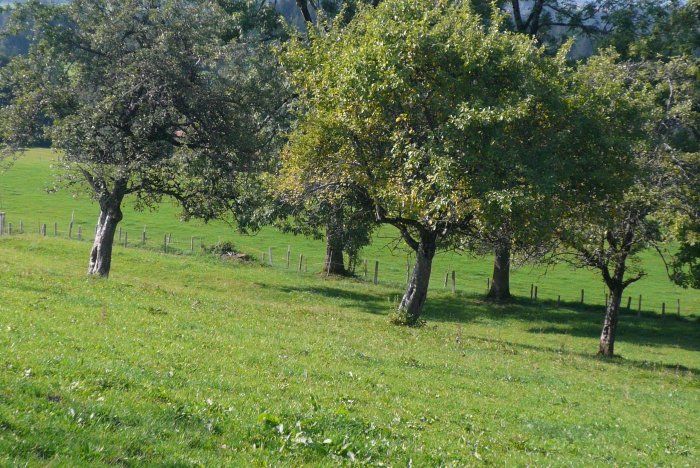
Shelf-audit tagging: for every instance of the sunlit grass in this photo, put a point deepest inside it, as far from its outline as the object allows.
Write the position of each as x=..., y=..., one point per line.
x=23, y=197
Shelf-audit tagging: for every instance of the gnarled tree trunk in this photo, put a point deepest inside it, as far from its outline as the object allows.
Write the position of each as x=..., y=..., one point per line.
x=416, y=293
x=612, y=311
x=101, y=253
x=500, y=282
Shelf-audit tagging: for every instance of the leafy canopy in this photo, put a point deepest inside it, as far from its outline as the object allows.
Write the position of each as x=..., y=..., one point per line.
x=437, y=119
x=150, y=98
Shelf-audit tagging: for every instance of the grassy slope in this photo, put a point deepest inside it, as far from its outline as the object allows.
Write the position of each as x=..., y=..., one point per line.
x=188, y=360
x=23, y=198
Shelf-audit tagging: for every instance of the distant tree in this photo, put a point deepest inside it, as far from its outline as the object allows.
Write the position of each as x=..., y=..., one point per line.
x=654, y=28
x=606, y=233
x=674, y=40
x=140, y=99
x=524, y=231
x=339, y=213
x=425, y=111
x=347, y=223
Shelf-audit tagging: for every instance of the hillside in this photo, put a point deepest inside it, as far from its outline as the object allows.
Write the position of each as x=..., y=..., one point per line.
x=189, y=360
x=24, y=197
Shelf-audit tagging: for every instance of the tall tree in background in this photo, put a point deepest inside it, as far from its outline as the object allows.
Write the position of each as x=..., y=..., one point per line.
x=523, y=232
x=347, y=223
x=606, y=233
x=424, y=110
x=141, y=99
x=660, y=202
x=308, y=211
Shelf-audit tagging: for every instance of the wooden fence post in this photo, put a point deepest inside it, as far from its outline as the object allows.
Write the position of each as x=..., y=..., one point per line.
x=120, y=234
x=269, y=254
x=43, y=229
x=306, y=265
x=165, y=243
x=629, y=303
x=70, y=230
x=21, y=226
x=678, y=301
x=365, y=265
x=2, y=223
x=376, y=271
x=55, y=229
x=535, y=292
x=582, y=296
x=327, y=266
x=558, y=301
x=9, y=228
x=192, y=244
x=488, y=285
x=143, y=236
x=447, y=278
x=454, y=283
x=126, y=239
x=289, y=254
x=639, y=306
x=80, y=233
x=301, y=260
x=663, y=309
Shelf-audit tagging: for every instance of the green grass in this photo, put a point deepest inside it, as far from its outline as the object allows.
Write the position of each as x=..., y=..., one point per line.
x=182, y=360
x=178, y=360
x=23, y=196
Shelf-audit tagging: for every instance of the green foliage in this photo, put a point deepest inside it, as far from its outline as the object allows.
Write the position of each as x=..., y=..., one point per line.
x=343, y=215
x=453, y=130
x=686, y=262
x=150, y=99
x=221, y=248
x=400, y=317
x=652, y=29
x=662, y=194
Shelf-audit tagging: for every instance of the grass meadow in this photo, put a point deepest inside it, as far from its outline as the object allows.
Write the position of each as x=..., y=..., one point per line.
x=181, y=359
x=26, y=195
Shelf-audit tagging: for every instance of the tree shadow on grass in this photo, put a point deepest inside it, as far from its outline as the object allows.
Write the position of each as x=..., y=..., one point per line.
x=373, y=303
x=617, y=360
x=572, y=319
x=569, y=319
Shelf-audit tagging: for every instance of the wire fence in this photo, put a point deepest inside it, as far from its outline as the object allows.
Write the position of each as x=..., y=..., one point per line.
x=369, y=271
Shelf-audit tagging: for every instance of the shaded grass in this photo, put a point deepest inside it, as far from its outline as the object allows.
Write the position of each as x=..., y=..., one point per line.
x=178, y=360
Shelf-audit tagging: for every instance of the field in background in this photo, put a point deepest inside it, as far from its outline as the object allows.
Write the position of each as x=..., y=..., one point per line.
x=179, y=360
x=23, y=196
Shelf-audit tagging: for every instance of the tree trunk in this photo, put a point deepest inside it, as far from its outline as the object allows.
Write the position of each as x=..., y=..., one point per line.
x=334, y=263
x=500, y=283
x=304, y=8
x=335, y=245
x=101, y=253
x=416, y=293
x=612, y=310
